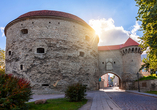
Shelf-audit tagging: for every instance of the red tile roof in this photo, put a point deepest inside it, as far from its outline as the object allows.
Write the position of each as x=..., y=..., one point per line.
x=111, y=47
x=129, y=42
x=51, y=13
x=47, y=13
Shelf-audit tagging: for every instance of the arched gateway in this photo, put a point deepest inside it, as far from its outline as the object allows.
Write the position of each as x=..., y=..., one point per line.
x=105, y=79
x=122, y=60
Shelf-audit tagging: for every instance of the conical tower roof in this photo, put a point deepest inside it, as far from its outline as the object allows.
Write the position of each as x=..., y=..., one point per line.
x=130, y=42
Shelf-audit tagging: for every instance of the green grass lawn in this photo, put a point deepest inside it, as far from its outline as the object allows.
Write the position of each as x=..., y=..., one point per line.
x=150, y=77
x=57, y=104
x=152, y=92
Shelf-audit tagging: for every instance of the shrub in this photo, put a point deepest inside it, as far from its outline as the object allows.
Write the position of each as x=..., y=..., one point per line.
x=75, y=92
x=14, y=92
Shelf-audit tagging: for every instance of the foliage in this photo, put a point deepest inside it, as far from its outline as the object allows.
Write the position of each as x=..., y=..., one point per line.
x=150, y=77
x=2, y=58
x=2, y=70
x=148, y=16
x=112, y=78
x=152, y=92
x=75, y=92
x=57, y=104
x=145, y=65
x=14, y=92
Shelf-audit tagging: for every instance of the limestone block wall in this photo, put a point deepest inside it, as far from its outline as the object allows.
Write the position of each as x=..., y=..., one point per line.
x=131, y=62
x=113, y=57
x=147, y=85
x=52, y=53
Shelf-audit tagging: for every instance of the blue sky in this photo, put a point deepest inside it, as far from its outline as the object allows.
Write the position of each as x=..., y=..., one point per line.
x=116, y=17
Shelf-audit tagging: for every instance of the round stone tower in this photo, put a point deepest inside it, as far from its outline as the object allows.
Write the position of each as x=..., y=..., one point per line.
x=131, y=57
x=52, y=49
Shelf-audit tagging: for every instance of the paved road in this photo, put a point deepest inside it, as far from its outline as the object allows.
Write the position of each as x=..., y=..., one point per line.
x=100, y=101
x=130, y=101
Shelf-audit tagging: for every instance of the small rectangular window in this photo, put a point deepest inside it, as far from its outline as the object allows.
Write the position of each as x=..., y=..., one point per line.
x=24, y=31
x=40, y=50
x=45, y=84
x=82, y=54
x=9, y=52
x=21, y=67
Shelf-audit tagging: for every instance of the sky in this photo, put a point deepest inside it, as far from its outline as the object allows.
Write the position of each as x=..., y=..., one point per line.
x=113, y=20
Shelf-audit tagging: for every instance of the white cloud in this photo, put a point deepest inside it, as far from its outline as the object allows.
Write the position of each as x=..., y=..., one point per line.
x=110, y=34
x=134, y=30
x=2, y=31
x=145, y=52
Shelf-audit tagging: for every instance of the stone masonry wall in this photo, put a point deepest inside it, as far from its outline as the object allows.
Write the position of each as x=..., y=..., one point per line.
x=131, y=63
x=70, y=54
x=116, y=61
x=147, y=85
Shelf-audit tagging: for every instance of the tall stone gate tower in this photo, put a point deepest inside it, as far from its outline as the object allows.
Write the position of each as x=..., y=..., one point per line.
x=122, y=60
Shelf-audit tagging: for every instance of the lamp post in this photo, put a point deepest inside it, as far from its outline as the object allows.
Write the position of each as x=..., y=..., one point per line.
x=138, y=82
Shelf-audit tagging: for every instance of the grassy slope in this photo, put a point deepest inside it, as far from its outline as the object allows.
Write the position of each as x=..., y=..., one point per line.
x=57, y=104
x=152, y=92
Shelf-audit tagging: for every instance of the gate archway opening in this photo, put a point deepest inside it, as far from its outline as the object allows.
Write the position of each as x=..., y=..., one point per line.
x=109, y=80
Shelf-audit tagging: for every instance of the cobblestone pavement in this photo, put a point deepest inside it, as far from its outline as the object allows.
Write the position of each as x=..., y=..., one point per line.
x=102, y=102
x=130, y=101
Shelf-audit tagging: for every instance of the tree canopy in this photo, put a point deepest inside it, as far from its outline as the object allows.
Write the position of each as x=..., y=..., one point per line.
x=2, y=58
x=2, y=61
x=147, y=14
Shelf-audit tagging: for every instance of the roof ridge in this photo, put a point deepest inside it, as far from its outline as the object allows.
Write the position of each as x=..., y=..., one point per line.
x=129, y=42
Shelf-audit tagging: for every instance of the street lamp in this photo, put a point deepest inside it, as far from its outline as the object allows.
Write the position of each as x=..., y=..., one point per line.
x=138, y=82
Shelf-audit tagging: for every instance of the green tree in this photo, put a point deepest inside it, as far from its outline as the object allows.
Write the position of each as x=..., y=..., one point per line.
x=2, y=61
x=145, y=65
x=112, y=78
x=2, y=58
x=147, y=14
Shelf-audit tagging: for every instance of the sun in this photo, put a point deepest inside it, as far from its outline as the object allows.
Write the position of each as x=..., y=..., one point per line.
x=96, y=25
x=97, y=29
